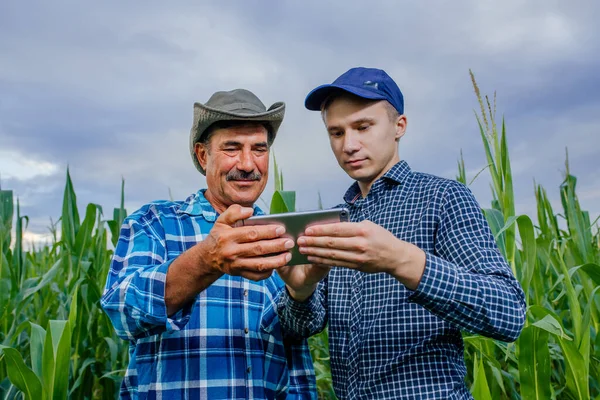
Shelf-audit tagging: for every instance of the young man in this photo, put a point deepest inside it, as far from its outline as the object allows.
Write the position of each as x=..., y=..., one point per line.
x=194, y=295
x=416, y=265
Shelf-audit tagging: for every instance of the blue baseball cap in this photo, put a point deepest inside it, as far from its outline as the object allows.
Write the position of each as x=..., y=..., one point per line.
x=368, y=83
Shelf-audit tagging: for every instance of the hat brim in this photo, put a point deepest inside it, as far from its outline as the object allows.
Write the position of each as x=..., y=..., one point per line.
x=317, y=96
x=205, y=116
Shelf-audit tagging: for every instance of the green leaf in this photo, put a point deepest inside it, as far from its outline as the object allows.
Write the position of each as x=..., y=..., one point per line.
x=48, y=366
x=81, y=375
x=57, y=354
x=63, y=356
x=509, y=222
x=74, y=307
x=283, y=202
x=84, y=235
x=6, y=217
x=577, y=382
x=496, y=222
x=551, y=325
x=20, y=375
x=480, y=389
x=36, y=348
x=592, y=270
x=113, y=348
x=46, y=280
x=527, y=235
x=548, y=321
x=70, y=215
x=534, y=363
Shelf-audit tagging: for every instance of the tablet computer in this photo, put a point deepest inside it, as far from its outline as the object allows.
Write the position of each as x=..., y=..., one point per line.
x=295, y=224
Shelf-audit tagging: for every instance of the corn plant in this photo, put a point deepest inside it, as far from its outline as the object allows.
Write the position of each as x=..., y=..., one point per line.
x=55, y=341
x=557, y=354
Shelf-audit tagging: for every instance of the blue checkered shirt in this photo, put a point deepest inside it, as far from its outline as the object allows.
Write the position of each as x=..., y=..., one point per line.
x=227, y=344
x=388, y=342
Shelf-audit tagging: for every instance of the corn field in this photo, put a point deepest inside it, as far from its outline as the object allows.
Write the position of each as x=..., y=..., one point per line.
x=56, y=343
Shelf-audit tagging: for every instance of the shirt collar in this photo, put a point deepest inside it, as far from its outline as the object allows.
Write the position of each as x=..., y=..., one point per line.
x=395, y=175
x=197, y=204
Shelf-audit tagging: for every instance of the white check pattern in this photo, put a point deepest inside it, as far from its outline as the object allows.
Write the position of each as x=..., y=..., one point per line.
x=388, y=342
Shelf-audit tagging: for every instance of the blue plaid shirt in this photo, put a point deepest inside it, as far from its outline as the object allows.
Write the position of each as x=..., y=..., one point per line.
x=388, y=342
x=227, y=344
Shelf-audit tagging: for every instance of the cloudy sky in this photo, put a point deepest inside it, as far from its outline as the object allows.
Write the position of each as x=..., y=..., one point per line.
x=107, y=88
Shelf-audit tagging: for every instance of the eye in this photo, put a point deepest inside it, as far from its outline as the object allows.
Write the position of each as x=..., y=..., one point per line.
x=363, y=127
x=336, y=133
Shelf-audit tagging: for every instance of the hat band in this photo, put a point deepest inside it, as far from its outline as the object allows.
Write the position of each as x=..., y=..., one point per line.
x=241, y=106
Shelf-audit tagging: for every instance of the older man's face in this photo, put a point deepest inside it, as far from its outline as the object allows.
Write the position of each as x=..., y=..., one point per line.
x=236, y=161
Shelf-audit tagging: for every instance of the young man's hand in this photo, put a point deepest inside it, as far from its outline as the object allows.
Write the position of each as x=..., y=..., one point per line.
x=366, y=247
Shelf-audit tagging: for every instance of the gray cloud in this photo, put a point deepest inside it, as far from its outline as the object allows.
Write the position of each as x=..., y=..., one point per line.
x=109, y=89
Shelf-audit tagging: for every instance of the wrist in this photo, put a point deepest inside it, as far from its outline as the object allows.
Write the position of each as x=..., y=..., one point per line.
x=410, y=264
x=202, y=267
x=301, y=295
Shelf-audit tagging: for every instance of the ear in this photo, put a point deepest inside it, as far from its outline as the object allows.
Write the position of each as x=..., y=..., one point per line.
x=401, y=123
x=202, y=152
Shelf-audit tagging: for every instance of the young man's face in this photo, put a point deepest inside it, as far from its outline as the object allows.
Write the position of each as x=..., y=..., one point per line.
x=236, y=161
x=363, y=137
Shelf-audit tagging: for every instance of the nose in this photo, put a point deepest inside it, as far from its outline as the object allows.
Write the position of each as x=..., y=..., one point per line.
x=246, y=161
x=351, y=143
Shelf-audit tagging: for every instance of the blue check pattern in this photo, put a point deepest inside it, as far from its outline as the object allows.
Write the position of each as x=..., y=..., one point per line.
x=388, y=342
x=227, y=344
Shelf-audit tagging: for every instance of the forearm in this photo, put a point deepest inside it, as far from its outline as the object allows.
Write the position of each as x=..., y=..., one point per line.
x=406, y=263
x=187, y=276
x=134, y=301
x=466, y=280
x=491, y=304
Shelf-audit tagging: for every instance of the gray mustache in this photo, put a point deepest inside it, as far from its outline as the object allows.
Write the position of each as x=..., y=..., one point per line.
x=237, y=175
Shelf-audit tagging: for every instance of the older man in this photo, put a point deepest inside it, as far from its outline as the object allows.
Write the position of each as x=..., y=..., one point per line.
x=416, y=266
x=194, y=295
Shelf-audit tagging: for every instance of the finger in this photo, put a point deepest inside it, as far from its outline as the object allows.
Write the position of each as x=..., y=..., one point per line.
x=256, y=276
x=331, y=254
x=338, y=229
x=234, y=213
x=343, y=243
x=260, y=264
x=247, y=234
x=264, y=247
x=330, y=263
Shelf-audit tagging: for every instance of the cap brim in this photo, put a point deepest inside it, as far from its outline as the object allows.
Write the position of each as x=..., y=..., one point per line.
x=317, y=96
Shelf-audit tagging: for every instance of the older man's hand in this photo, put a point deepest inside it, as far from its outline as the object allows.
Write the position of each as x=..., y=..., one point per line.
x=249, y=251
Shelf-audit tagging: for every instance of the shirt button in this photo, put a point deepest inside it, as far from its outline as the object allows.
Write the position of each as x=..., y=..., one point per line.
x=246, y=330
x=354, y=328
x=248, y=369
x=246, y=293
x=356, y=289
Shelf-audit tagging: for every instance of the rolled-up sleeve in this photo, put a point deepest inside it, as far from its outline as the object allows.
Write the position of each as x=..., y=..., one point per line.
x=134, y=296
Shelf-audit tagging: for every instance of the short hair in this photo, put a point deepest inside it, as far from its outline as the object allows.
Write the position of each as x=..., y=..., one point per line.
x=393, y=114
x=226, y=124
